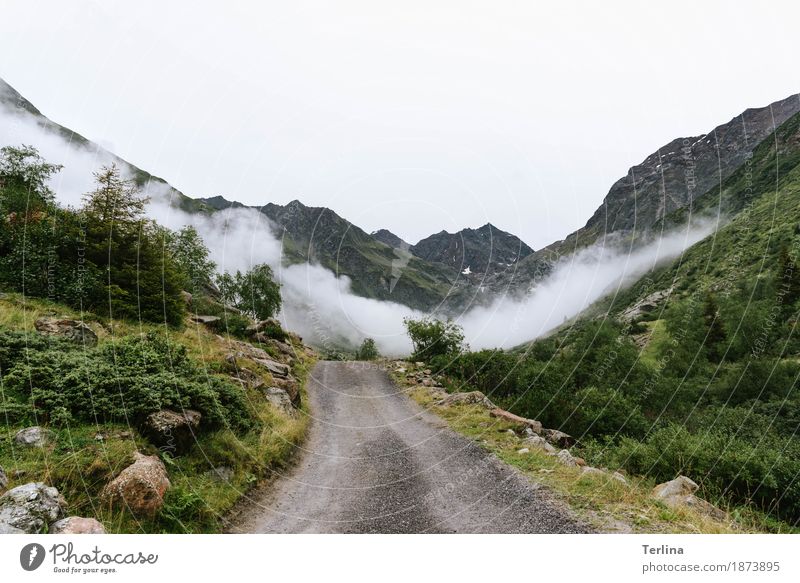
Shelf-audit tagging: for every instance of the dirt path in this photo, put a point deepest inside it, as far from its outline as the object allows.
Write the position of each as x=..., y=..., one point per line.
x=375, y=462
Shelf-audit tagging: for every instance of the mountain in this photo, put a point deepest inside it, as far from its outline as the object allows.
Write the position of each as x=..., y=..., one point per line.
x=661, y=188
x=21, y=111
x=473, y=251
x=388, y=238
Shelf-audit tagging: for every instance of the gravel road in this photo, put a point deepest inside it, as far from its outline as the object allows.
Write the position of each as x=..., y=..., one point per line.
x=375, y=462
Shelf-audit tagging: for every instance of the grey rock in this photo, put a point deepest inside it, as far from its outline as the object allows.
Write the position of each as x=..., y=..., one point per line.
x=275, y=368
x=680, y=492
x=280, y=400
x=73, y=330
x=172, y=432
x=30, y=508
x=565, y=458
x=539, y=443
x=470, y=398
x=77, y=525
x=33, y=437
x=220, y=473
x=3, y=479
x=205, y=319
x=558, y=438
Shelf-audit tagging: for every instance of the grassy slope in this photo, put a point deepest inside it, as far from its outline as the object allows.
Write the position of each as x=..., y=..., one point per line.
x=605, y=503
x=79, y=464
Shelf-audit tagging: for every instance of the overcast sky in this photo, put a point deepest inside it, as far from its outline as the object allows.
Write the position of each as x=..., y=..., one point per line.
x=414, y=116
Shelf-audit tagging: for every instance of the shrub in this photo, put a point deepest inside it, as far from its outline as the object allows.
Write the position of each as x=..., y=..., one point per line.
x=367, y=350
x=126, y=381
x=431, y=337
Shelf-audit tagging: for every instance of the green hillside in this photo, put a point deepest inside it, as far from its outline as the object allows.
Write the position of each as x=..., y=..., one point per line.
x=694, y=369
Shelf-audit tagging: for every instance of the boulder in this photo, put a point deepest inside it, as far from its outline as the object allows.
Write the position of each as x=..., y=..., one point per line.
x=275, y=368
x=592, y=471
x=619, y=478
x=471, y=398
x=558, y=438
x=565, y=458
x=172, y=432
x=3, y=480
x=680, y=492
x=34, y=437
x=248, y=378
x=77, y=525
x=280, y=400
x=29, y=508
x=680, y=486
x=73, y=330
x=291, y=386
x=523, y=450
x=186, y=297
x=539, y=443
x=521, y=422
x=140, y=487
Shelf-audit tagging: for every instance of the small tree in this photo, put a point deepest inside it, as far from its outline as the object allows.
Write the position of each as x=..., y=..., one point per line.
x=191, y=256
x=432, y=337
x=368, y=350
x=716, y=335
x=254, y=293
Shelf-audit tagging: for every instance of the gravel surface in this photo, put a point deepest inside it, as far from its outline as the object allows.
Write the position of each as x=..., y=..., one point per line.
x=375, y=462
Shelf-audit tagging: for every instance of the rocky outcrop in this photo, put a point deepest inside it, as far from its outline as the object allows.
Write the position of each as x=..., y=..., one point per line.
x=645, y=306
x=34, y=437
x=292, y=387
x=521, y=422
x=77, y=525
x=261, y=326
x=565, y=458
x=471, y=398
x=73, y=330
x=29, y=508
x=680, y=492
x=558, y=438
x=280, y=400
x=139, y=488
x=172, y=432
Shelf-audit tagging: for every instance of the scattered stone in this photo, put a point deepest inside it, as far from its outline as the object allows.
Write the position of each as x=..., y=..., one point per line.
x=280, y=399
x=73, y=330
x=172, y=432
x=619, y=478
x=205, y=319
x=29, y=508
x=140, y=487
x=33, y=437
x=221, y=473
x=540, y=443
x=77, y=525
x=558, y=438
x=291, y=386
x=471, y=398
x=534, y=426
x=523, y=450
x=426, y=382
x=680, y=492
x=565, y=458
x=248, y=378
x=427, y=371
x=645, y=305
x=275, y=368
x=420, y=364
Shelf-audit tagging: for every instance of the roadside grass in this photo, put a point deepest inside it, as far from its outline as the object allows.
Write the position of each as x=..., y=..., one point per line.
x=603, y=502
x=83, y=457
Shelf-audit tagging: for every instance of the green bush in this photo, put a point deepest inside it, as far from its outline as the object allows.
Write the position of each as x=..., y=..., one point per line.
x=125, y=381
x=432, y=338
x=367, y=350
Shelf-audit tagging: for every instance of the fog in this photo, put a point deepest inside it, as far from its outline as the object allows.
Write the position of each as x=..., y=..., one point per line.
x=321, y=306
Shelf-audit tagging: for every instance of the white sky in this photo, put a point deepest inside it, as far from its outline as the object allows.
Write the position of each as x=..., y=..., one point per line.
x=414, y=116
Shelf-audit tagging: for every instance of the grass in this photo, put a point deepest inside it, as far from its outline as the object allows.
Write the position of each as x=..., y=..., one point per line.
x=84, y=457
x=605, y=503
